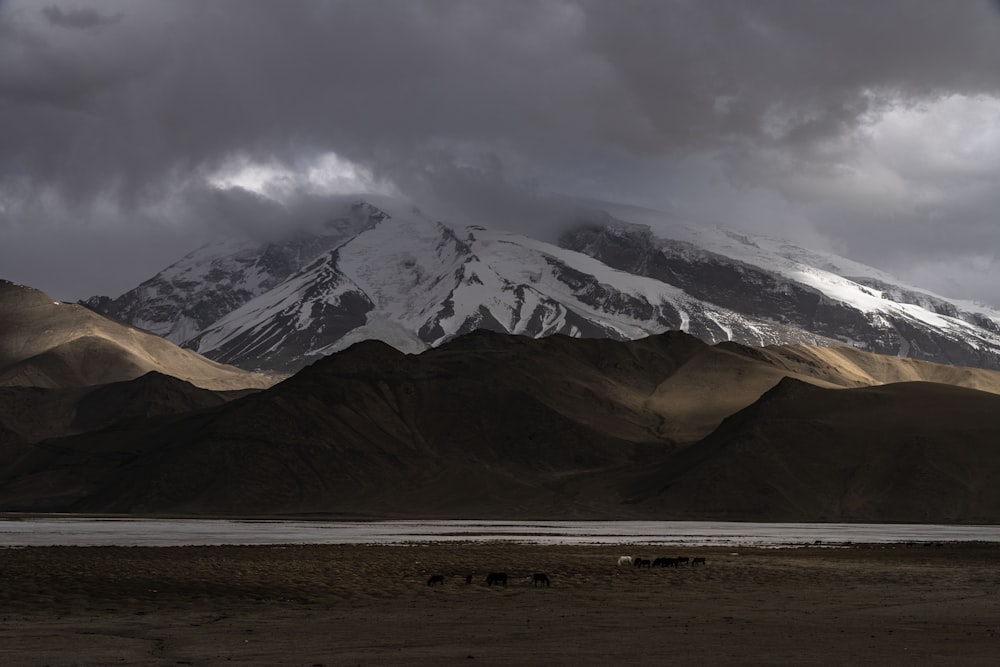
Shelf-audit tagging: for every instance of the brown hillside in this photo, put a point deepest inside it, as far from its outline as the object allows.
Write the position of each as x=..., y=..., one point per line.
x=48, y=343
x=914, y=451
x=493, y=425
x=32, y=414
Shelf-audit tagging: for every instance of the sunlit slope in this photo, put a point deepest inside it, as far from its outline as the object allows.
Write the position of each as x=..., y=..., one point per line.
x=722, y=379
x=850, y=364
x=48, y=343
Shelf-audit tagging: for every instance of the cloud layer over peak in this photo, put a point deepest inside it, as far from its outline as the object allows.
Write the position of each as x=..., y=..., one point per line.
x=862, y=126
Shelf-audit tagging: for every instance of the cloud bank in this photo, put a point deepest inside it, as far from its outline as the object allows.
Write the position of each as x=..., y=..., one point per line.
x=866, y=128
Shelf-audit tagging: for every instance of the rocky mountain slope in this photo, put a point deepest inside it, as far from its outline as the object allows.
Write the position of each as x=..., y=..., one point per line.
x=394, y=274
x=826, y=295
x=48, y=343
x=492, y=425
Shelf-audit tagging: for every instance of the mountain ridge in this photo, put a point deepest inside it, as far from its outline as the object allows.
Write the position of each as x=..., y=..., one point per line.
x=494, y=425
x=416, y=281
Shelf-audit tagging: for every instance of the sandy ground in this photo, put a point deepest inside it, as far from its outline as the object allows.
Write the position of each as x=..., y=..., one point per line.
x=370, y=605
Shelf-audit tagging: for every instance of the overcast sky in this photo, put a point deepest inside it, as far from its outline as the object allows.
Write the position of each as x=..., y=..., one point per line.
x=131, y=130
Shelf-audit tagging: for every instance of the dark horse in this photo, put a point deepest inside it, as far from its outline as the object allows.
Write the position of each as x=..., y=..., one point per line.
x=436, y=579
x=539, y=578
x=499, y=578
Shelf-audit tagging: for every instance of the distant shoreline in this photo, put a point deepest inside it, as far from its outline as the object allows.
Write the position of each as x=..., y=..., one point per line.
x=120, y=530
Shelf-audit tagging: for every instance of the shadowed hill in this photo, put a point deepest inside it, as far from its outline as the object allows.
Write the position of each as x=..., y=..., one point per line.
x=473, y=425
x=31, y=414
x=48, y=343
x=493, y=425
x=913, y=451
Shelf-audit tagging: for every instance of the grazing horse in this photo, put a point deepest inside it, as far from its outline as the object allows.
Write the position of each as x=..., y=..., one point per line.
x=539, y=578
x=499, y=578
x=436, y=579
x=697, y=561
x=624, y=560
x=665, y=562
x=683, y=560
x=641, y=562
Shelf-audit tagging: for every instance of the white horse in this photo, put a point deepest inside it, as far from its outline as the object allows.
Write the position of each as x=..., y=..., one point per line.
x=624, y=560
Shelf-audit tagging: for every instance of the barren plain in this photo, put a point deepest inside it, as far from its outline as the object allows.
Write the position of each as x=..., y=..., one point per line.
x=371, y=605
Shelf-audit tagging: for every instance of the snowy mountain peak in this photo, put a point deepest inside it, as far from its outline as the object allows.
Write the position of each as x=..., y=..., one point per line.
x=392, y=273
x=211, y=282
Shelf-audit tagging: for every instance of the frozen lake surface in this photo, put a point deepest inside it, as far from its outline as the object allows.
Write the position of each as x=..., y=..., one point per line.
x=18, y=531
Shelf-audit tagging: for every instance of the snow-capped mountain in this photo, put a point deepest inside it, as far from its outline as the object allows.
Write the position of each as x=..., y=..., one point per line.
x=395, y=274
x=827, y=295
x=181, y=301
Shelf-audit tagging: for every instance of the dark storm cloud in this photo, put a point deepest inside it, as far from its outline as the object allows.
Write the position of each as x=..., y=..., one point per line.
x=483, y=105
x=186, y=84
x=77, y=18
x=789, y=71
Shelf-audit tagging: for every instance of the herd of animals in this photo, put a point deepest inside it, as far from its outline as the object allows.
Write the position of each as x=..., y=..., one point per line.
x=663, y=561
x=495, y=579
x=542, y=579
